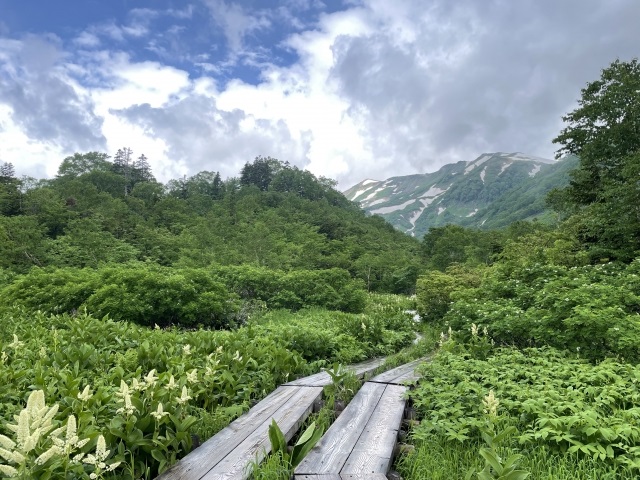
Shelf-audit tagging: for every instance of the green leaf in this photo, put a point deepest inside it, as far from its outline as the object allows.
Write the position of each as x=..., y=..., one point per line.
x=308, y=433
x=300, y=450
x=492, y=458
x=276, y=437
x=515, y=475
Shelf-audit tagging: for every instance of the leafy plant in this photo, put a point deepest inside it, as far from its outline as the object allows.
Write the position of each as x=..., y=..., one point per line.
x=305, y=443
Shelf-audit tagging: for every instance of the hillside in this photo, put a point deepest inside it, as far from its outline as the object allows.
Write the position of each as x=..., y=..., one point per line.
x=491, y=191
x=274, y=216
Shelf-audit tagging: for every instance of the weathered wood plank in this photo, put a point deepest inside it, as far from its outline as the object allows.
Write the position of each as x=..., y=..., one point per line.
x=322, y=379
x=403, y=373
x=368, y=476
x=326, y=476
x=257, y=445
x=334, y=448
x=336, y=476
x=373, y=452
x=202, y=459
x=367, y=366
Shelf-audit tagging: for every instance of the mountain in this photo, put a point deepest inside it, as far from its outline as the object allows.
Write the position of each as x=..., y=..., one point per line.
x=491, y=191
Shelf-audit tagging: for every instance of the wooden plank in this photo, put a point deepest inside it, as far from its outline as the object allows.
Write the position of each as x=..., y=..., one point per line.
x=317, y=380
x=336, y=476
x=333, y=449
x=362, y=368
x=256, y=446
x=373, y=452
x=403, y=373
x=368, y=476
x=322, y=379
x=326, y=476
x=202, y=459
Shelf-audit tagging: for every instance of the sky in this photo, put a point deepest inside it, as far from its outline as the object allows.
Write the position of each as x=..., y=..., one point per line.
x=348, y=89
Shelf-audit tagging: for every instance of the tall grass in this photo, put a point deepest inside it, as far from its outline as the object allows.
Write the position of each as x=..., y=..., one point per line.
x=440, y=459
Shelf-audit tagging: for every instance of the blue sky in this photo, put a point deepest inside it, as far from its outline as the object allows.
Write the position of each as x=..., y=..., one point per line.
x=349, y=89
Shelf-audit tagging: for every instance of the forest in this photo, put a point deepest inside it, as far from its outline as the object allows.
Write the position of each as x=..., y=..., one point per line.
x=138, y=318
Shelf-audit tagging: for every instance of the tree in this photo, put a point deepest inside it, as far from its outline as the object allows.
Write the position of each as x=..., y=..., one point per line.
x=9, y=190
x=81, y=163
x=261, y=172
x=603, y=131
x=122, y=166
x=141, y=170
x=7, y=172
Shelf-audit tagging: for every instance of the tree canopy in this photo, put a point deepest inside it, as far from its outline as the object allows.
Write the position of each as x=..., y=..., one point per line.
x=604, y=132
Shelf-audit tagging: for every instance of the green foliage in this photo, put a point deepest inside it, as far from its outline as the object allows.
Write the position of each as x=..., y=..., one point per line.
x=434, y=290
x=602, y=194
x=148, y=294
x=602, y=131
x=277, y=216
x=141, y=389
x=336, y=336
x=333, y=288
x=590, y=309
x=549, y=398
x=305, y=443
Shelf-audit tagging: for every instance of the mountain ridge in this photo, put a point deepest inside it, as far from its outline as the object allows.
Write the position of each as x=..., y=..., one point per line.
x=469, y=193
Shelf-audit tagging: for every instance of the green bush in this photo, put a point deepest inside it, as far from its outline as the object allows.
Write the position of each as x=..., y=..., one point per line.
x=152, y=295
x=592, y=310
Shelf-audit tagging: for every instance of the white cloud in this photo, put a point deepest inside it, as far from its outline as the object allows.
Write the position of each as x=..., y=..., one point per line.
x=379, y=89
x=236, y=22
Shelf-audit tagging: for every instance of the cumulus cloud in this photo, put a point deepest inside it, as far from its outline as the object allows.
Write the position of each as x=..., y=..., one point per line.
x=447, y=82
x=43, y=100
x=370, y=90
x=200, y=136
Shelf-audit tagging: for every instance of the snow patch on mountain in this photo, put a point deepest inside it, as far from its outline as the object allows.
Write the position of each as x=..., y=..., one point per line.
x=505, y=166
x=394, y=208
x=535, y=170
x=434, y=192
x=476, y=163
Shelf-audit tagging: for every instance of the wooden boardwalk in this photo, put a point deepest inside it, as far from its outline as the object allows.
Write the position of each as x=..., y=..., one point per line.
x=360, y=443
x=228, y=454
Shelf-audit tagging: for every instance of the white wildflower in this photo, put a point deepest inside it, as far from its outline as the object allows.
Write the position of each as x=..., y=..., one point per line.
x=184, y=398
x=124, y=389
x=186, y=349
x=192, y=376
x=151, y=378
x=46, y=456
x=137, y=386
x=474, y=330
x=237, y=356
x=6, y=442
x=16, y=344
x=85, y=395
x=8, y=470
x=172, y=384
x=159, y=413
x=127, y=408
x=490, y=403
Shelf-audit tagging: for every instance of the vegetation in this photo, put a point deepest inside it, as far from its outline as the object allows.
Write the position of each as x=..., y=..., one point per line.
x=141, y=390
x=137, y=317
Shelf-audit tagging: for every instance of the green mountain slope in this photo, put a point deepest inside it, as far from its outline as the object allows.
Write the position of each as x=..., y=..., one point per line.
x=491, y=191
